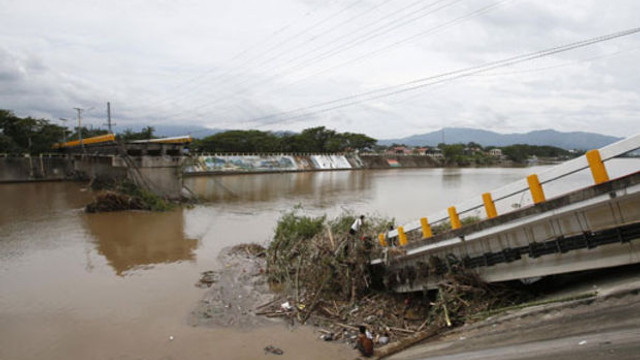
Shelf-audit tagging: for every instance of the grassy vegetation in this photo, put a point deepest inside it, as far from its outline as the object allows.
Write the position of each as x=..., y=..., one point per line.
x=445, y=226
x=152, y=201
x=125, y=195
x=313, y=255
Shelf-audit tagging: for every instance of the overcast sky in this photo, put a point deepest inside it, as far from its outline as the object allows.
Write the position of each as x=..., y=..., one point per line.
x=294, y=64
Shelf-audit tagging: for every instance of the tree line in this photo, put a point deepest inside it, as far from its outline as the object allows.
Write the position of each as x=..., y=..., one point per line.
x=475, y=154
x=35, y=136
x=312, y=140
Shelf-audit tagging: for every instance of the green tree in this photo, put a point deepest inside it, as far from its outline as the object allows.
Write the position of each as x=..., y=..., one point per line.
x=521, y=152
x=7, y=145
x=87, y=133
x=28, y=135
x=359, y=141
x=315, y=139
x=453, y=154
x=241, y=141
x=312, y=140
x=129, y=135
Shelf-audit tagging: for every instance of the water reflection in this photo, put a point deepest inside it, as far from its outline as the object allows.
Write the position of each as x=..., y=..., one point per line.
x=451, y=177
x=24, y=202
x=137, y=240
x=268, y=187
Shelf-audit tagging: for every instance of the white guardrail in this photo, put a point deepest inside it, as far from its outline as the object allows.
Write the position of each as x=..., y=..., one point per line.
x=594, y=159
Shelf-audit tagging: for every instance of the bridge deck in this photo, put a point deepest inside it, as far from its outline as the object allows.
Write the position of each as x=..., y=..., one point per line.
x=585, y=229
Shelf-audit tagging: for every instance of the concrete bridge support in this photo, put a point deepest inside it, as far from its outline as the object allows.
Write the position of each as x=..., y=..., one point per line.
x=163, y=176
x=157, y=167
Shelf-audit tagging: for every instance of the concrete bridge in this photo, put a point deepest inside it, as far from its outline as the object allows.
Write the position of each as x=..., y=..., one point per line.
x=595, y=226
x=155, y=164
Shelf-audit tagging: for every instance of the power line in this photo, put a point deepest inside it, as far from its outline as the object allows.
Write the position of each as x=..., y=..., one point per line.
x=383, y=30
x=433, y=80
x=429, y=31
x=533, y=70
x=199, y=79
x=285, y=51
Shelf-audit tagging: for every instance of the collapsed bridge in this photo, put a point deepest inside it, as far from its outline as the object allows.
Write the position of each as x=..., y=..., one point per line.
x=591, y=227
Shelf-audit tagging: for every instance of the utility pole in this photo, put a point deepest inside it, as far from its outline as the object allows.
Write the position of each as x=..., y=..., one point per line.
x=80, y=110
x=109, y=117
x=64, y=129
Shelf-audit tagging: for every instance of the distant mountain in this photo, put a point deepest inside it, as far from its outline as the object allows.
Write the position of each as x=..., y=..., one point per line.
x=565, y=140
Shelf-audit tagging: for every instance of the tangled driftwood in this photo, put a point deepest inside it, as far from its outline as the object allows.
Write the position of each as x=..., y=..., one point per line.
x=326, y=278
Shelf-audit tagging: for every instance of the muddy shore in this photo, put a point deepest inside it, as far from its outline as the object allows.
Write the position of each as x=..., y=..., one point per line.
x=235, y=291
x=601, y=324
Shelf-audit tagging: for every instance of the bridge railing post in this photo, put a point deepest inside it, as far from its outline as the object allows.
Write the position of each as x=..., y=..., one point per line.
x=402, y=237
x=382, y=239
x=426, y=228
x=536, y=189
x=598, y=170
x=489, y=206
x=454, y=218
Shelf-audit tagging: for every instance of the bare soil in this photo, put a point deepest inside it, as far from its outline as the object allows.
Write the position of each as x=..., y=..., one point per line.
x=235, y=292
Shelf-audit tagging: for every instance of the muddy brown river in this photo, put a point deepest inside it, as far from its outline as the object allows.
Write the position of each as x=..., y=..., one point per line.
x=121, y=285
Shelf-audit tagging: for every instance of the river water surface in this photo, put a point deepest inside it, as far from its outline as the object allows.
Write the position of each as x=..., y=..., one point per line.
x=118, y=285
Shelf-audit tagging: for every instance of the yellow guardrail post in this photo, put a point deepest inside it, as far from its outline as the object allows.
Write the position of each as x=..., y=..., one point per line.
x=455, y=220
x=536, y=189
x=426, y=228
x=489, y=205
x=383, y=241
x=598, y=169
x=402, y=236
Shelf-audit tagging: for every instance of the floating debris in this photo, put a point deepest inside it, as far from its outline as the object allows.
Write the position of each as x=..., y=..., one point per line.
x=273, y=350
x=207, y=279
x=251, y=250
x=114, y=201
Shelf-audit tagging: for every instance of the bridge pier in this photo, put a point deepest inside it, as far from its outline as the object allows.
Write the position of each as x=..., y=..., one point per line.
x=156, y=167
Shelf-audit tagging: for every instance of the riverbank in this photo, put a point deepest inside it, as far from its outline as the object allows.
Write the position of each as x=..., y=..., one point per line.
x=53, y=167
x=588, y=312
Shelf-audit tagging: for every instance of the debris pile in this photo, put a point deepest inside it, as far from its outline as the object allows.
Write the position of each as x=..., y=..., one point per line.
x=125, y=195
x=251, y=250
x=320, y=260
x=207, y=278
x=325, y=278
x=114, y=201
x=387, y=316
x=462, y=294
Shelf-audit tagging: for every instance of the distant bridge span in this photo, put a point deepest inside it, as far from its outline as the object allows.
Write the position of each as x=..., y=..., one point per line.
x=596, y=226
